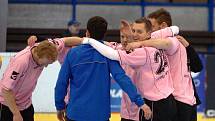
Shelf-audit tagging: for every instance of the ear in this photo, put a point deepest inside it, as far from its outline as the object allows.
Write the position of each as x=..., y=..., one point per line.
x=149, y=34
x=125, y=27
x=163, y=25
x=124, y=24
x=87, y=34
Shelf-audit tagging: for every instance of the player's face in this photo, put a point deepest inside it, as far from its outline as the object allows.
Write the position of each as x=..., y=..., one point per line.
x=45, y=61
x=123, y=40
x=140, y=32
x=123, y=37
x=155, y=25
x=74, y=29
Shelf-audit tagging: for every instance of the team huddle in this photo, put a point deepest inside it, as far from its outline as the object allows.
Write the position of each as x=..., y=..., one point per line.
x=152, y=65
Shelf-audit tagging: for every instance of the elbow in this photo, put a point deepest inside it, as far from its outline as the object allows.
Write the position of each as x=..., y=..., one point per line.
x=166, y=44
x=67, y=42
x=197, y=68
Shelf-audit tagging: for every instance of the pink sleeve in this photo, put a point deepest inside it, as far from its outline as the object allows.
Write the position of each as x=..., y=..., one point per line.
x=12, y=74
x=59, y=42
x=175, y=45
x=136, y=58
x=163, y=33
x=63, y=54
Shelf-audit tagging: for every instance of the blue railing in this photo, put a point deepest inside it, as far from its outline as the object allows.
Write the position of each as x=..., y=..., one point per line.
x=210, y=5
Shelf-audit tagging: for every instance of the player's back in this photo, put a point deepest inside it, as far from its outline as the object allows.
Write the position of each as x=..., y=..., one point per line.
x=180, y=73
x=90, y=84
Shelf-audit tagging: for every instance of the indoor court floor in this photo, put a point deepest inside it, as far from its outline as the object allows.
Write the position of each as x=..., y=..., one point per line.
x=114, y=117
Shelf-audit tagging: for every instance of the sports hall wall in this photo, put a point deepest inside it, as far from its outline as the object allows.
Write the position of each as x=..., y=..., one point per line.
x=57, y=16
x=53, y=17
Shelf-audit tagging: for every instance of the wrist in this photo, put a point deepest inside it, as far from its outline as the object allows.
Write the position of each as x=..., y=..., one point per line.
x=85, y=40
x=61, y=111
x=142, y=43
x=186, y=44
x=175, y=30
x=16, y=112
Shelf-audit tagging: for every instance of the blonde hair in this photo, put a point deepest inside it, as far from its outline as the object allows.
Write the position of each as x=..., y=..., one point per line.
x=47, y=49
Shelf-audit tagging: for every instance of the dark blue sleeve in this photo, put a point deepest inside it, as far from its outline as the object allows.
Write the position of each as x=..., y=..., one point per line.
x=125, y=82
x=194, y=62
x=62, y=84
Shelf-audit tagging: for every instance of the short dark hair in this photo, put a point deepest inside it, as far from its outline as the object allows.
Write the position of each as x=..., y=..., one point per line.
x=97, y=27
x=148, y=24
x=161, y=15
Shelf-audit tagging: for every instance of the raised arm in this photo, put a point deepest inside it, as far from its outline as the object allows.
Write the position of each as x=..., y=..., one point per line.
x=102, y=48
x=162, y=43
x=166, y=32
x=69, y=41
x=72, y=41
x=162, y=34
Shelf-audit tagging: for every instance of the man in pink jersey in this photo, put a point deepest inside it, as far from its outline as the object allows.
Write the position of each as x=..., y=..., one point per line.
x=184, y=92
x=60, y=43
x=63, y=45
x=149, y=69
x=19, y=81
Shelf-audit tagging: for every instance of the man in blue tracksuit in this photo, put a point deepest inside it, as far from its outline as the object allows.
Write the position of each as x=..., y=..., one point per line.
x=89, y=75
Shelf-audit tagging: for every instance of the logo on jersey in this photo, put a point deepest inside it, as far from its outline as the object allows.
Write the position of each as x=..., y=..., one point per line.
x=162, y=60
x=14, y=75
x=55, y=42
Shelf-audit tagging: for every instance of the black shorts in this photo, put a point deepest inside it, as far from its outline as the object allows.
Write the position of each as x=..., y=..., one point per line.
x=163, y=110
x=6, y=114
x=186, y=112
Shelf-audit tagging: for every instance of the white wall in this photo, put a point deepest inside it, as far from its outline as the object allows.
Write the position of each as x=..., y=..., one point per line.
x=187, y=18
x=57, y=16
